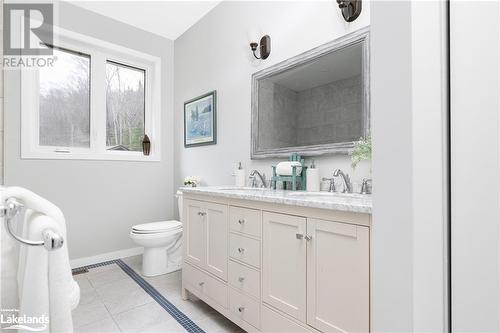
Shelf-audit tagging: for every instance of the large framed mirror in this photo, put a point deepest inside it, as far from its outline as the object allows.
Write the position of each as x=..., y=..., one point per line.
x=313, y=104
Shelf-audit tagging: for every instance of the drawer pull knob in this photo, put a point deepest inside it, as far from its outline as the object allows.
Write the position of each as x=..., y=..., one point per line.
x=202, y=213
x=241, y=221
x=241, y=250
x=241, y=309
x=299, y=236
x=308, y=238
x=241, y=279
x=201, y=284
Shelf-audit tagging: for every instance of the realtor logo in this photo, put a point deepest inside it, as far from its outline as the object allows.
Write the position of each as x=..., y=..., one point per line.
x=11, y=319
x=28, y=29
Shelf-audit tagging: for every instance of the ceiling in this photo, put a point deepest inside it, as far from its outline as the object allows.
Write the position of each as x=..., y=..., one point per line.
x=169, y=19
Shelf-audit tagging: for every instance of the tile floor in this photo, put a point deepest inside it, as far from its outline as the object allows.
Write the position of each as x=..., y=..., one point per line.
x=112, y=302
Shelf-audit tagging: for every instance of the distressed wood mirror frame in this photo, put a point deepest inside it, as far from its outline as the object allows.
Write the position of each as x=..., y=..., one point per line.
x=357, y=37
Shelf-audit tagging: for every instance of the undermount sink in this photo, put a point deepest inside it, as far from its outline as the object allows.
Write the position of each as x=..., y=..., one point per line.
x=294, y=193
x=297, y=194
x=233, y=188
x=327, y=194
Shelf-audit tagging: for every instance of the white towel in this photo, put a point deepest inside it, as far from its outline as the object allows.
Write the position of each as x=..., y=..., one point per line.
x=35, y=202
x=9, y=265
x=46, y=285
x=285, y=168
x=44, y=279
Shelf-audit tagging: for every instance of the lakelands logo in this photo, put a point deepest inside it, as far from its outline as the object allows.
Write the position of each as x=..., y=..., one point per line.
x=11, y=320
x=28, y=34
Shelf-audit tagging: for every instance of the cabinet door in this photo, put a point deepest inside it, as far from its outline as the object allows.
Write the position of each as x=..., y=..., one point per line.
x=284, y=263
x=216, y=219
x=338, y=285
x=194, y=232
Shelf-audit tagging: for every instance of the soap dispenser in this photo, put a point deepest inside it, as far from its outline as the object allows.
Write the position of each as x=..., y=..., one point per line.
x=239, y=176
x=312, y=178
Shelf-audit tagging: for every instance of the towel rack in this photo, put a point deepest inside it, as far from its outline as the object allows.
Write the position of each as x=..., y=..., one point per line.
x=51, y=239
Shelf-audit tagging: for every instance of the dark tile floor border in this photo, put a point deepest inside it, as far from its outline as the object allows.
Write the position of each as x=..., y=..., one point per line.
x=178, y=315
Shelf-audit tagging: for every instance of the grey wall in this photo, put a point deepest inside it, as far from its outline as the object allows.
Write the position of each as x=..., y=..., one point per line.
x=429, y=165
x=215, y=54
x=392, y=243
x=409, y=122
x=100, y=199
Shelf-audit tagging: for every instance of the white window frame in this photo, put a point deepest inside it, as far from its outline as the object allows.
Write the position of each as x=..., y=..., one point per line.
x=100, y=52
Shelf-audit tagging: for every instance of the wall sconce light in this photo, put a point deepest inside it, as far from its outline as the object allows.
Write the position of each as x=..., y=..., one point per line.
x=265, y=47
x=146, y=145
x=350, y=9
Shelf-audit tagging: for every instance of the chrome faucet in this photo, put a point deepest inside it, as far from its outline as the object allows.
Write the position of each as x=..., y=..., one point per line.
x=331, y=184
x=253, y=177
x=366, y=186
x=346, y=181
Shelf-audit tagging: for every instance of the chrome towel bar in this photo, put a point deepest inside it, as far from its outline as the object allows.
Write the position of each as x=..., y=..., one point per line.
x=51, y=240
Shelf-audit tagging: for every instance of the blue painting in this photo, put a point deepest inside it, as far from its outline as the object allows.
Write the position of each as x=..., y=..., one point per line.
x=200, y=120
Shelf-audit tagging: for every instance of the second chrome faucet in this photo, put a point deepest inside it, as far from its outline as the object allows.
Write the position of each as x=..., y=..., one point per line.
x=346, y=181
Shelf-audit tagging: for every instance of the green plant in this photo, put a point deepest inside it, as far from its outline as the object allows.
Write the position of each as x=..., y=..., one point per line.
x=362, y=151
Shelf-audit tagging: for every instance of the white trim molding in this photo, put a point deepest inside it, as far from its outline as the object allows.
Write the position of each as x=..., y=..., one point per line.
x=429, y=84
x=80, y=262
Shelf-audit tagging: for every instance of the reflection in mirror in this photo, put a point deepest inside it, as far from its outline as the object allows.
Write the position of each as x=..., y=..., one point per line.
x=320, y=102
x=316, y=105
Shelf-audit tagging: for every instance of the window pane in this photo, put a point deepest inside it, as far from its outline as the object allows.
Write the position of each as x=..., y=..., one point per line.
x=124, y=107
x=65, y=101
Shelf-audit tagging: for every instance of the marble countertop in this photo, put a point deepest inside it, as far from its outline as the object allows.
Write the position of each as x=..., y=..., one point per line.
x=357, y=203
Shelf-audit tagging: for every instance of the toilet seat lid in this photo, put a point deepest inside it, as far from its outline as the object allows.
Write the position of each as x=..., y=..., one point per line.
x=156, y=227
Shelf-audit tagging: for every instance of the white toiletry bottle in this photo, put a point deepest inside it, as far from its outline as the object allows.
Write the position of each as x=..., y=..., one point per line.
x=239, y=175
x=312, y=178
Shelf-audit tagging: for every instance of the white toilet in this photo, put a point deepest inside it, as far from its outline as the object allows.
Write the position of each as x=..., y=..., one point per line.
x=162, y=242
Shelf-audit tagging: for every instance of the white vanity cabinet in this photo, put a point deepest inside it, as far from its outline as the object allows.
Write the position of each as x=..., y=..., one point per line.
x=338, y=276
x=284, y=269
x=205, y=233
x=277, y=267
x=317, y=271
x=194, y=233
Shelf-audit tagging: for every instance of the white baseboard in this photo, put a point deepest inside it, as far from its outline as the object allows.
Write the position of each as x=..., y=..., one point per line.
x=80, y=262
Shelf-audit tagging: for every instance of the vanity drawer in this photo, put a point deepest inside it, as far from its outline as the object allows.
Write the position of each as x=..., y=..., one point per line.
x=192, y=276
x=206, y=284
x=244, y=279
x=245, y=307
x=274, y=322
x=245, y=220
x=244, y=249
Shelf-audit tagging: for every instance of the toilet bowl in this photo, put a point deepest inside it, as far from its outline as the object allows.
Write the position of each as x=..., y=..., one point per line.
x=162, y=242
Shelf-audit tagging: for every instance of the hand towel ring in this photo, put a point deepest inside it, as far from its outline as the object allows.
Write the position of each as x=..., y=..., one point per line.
x=51, y=240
